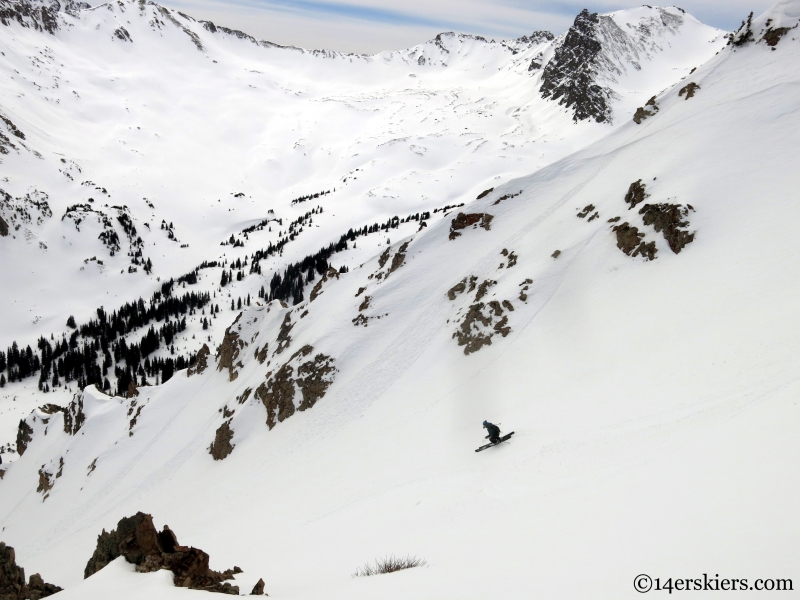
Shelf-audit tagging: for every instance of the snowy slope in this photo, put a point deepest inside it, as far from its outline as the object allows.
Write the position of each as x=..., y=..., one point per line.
x=654, y=401
x=194, y=133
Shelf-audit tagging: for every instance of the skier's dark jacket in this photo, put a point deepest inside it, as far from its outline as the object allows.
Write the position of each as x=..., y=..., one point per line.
x=493, y=430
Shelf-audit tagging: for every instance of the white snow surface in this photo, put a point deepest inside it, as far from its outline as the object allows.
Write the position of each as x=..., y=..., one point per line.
x=209, y=132
x=654, y=402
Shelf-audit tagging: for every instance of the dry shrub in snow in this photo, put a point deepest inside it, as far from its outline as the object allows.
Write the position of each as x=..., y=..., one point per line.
x=389, y=564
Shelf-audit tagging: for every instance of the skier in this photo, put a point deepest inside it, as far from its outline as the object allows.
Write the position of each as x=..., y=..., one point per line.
x=494, y=432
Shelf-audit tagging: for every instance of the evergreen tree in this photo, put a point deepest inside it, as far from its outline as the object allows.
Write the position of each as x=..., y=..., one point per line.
x=71, y=322
x=2, y=380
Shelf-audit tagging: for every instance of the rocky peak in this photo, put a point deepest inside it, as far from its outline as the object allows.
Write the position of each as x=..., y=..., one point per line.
x=38, y=14
x=537, y=37
x=570, y=77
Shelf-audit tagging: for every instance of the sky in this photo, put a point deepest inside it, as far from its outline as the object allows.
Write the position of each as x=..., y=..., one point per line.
x=370, y=26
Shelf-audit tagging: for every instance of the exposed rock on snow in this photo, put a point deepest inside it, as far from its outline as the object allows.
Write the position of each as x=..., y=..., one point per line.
x=221, y=446
x=12, y=579
x=258, y=588
x=5, y=141
x=201, y=362
x=670, y=219
x=74, y=416
x=483, y=288
x=629, y=240
x=11, y=127
x=261, y=354
x=137, y=540
x=480, y=324
x=313, y=379
x=47, y=477
x=32, y=208
x=122, y=34
x=398, y=259
x=637, y=192
x=773, y=36
x=134, y=406
x=689, y=89
x=228, y=351
x=242, y=398
x=34, y=14
x=506, y=197
x=643, y=111
x=327, y=276
x=462, y=286
x=284, y=338
x=462, y=221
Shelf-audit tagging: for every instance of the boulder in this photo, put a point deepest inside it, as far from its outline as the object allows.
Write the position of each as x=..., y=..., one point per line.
x=12, y=580
x=137, y=540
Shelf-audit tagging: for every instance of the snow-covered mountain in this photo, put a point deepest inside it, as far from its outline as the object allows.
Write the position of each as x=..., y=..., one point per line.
x=618, y=292
x=140, y=144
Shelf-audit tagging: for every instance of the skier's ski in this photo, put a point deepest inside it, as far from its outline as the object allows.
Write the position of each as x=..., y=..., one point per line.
x=502, y=439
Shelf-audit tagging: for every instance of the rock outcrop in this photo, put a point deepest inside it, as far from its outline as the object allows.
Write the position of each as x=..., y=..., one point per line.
x=570, y=76
x=74, y=416
x=649, y=109
x=137, y=540
x=12, y=579
x=481, y=323
x=200, y=363
x=398, y=259
x=284, y=334
x=773, y=35
x=670, y=220
x=36, y=15
x=317, y=290
x=258, y=588
x=689, y=89
x=312, y=379
x=637, y=192
x=462, y=221
x=221, y=447
x=228, y=351
x=629, y=240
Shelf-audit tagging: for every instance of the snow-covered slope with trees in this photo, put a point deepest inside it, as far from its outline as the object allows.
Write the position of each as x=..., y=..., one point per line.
x=627, y=310
x=139, y=140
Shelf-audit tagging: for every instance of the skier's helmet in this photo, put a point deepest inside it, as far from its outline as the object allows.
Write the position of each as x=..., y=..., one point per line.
x=485, y=423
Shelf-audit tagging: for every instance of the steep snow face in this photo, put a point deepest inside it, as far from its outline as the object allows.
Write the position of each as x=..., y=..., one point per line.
x=628, y=311
x=139, y=144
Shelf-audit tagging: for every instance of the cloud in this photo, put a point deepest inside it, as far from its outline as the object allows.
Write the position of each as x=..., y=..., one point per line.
x=370, y=26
